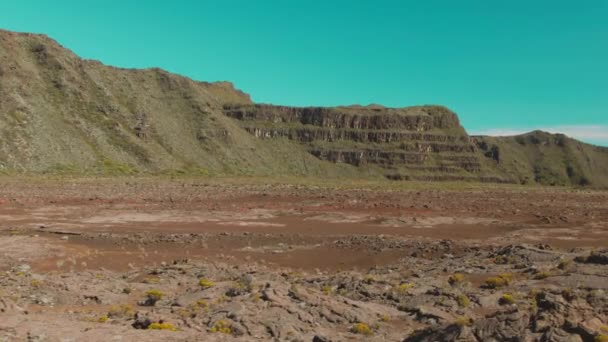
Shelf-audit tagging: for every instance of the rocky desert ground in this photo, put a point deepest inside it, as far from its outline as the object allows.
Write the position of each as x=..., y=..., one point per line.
x=189, y=260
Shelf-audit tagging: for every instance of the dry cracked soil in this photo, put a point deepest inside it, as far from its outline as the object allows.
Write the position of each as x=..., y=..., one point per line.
x=182, y=260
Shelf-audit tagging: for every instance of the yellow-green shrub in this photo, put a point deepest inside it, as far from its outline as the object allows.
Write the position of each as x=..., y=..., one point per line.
x=193, y=309
x=601, y=338
x=205, y=283
x=36, y=283
x=155, y=295
x=119, y=311
x=403, y=288
x=506, y=298
x=507, y=276
x=221, y=326
x=361, y=329
x=503, y=260
x=463, y=321
x=463, y=300
x=503, y=279
x=162, y=326
x=456, y=279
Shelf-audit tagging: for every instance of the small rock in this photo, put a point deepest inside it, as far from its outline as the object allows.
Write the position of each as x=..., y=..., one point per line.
x=44, y=300
x=23, y=268
x=141, y=323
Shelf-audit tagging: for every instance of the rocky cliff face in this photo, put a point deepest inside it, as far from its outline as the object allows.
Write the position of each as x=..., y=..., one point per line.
x=62, y=114
x=423, y=142
x=419, y=119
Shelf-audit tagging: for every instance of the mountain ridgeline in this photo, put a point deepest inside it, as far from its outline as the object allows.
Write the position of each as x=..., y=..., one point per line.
x=60, y=114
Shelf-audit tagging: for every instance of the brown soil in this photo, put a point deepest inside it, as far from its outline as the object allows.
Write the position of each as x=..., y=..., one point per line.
x=71, y=230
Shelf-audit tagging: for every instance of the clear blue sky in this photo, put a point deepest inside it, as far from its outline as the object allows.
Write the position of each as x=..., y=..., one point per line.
x=503, y=66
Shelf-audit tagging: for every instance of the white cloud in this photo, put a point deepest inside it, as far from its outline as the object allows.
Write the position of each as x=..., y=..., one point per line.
x=597, y=134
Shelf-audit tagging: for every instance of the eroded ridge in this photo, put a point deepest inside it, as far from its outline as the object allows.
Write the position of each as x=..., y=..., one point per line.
x=420, y=143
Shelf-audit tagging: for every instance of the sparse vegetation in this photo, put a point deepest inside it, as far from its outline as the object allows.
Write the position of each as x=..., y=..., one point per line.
x=244, y=283
x=111, y=167
x=36, y=283
x=508, y=277
x=121, y=311
x=327, y=289
x=463, y=321
x=162, y=326
x=201, y=304
x=502, y=280
x=533, y=305
x=205, y=283
x=506, y=299
x=221, y=326
x=193, y=309
x=463, y=300
x=601, y=338
x=404, y=288
x=542, y=275
x=153, y=296
x=361, y=329
x=503, y=260
x=456, y=279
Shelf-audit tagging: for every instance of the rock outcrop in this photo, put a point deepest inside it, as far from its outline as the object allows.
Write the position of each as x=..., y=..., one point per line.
x=419, y=143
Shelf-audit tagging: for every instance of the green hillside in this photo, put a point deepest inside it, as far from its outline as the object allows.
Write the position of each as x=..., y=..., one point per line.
x=545, y=158
x=60, y=114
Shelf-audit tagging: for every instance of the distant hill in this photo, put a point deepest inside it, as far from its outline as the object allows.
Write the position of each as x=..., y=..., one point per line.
x=61, y=114
x=545, y=158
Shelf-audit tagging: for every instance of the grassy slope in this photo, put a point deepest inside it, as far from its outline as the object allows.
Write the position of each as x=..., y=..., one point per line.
x=551, y=159
x=63, y=115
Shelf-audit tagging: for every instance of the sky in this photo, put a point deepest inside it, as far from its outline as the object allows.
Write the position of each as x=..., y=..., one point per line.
x=504, y=67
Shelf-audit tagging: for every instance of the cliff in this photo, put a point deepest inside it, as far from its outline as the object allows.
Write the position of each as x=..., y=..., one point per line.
x=62, y=114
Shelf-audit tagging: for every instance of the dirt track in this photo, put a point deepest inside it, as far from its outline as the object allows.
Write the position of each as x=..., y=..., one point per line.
x=82, y=229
